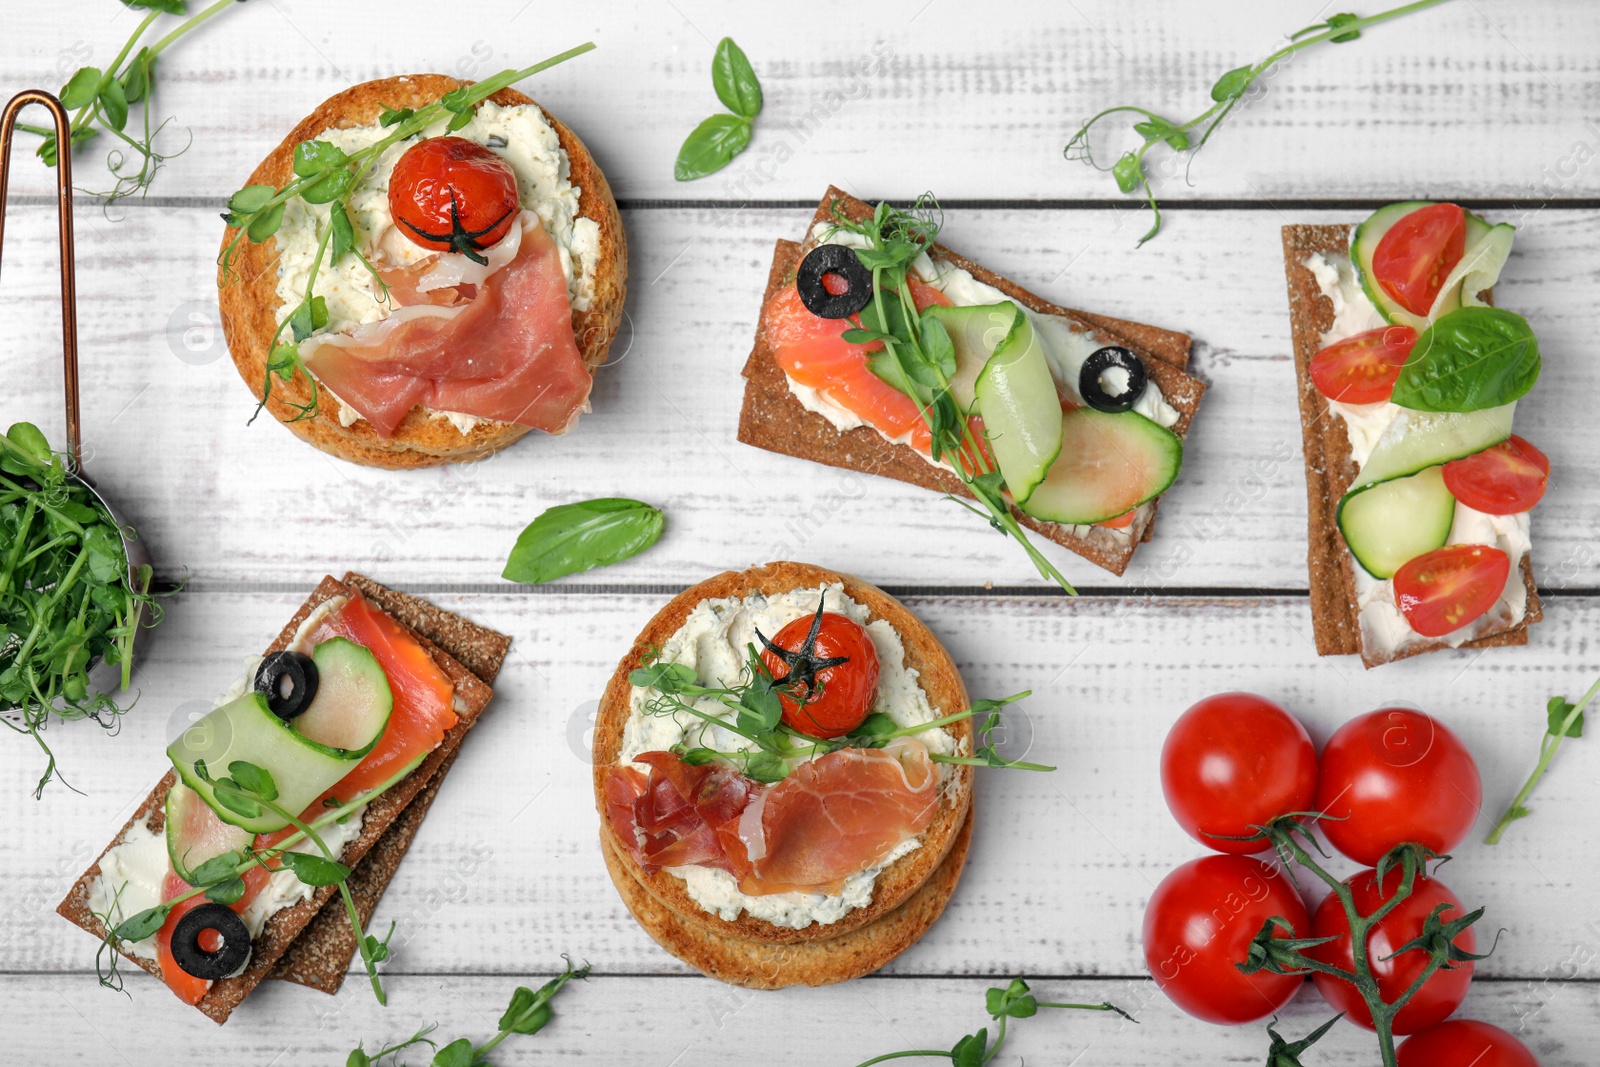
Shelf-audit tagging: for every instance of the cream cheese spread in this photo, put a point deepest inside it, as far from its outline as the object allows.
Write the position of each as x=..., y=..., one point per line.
x=713, y=640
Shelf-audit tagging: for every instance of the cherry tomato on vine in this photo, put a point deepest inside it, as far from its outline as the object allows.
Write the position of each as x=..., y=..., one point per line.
x=1465, y=1043
x=1363, y=369
x=1501, y=480
x=1417, y=253
x=1233, y=761
x=1200, y=922
x=1441, y=995
x=1392, y=776
x=832, y=661
x=451, y=194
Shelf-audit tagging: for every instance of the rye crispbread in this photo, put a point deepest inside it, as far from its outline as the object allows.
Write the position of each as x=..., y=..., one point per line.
x=1331, y=470
x=773, y=419
x=284, y=928
x=897, y=884
x=249, y=302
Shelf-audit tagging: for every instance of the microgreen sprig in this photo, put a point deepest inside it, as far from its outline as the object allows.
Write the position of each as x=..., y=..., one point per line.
x=1191, y=136
x=1563, y=720
x=1013, y=1001
x=919, y=359
x=528, y=1013
x=326, y=174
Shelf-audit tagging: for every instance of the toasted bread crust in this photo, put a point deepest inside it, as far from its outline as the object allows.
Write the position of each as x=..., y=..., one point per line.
x=1331, y=470
x=249, y=301
x=773, y=419
x=939, y=679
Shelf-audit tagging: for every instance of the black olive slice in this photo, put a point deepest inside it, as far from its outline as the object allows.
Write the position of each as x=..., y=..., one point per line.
x=289, y=680
x=1102, y=395
x=230, y=957
x=842, y=263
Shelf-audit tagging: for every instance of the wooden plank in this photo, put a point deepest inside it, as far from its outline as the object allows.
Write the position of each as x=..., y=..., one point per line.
x=653, y=1021
x=506, y=870
x=1470, y=100
x=231, y=503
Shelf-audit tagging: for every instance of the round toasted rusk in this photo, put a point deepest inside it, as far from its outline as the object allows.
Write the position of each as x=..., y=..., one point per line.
x=249, y=300
x=893, y=923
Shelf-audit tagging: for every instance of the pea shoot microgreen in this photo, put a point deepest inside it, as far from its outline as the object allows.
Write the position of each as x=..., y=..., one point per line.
x=67, y=599
x=713, y=144
x=1129, y=171
x=528, y=1012
x=1563, y=719
x=103, y=101
x=1013, y=1001
x=327, y=175
x=919, y=359
x=249, y=790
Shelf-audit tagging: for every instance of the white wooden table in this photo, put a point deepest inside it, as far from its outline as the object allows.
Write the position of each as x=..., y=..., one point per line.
x=1482, y=101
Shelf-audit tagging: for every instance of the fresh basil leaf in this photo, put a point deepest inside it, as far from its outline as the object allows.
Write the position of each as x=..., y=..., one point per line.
x=1557, y=711
x=143, y=924
x=570, y=538
x=266, y=223
x=229, y=892
x=735, y=80
x=79, y=90
x=1231, y=85
x=711, y=146
x=1471, y=359
x=170, y=7
x=314, y=870
x=114, y=103
x=254, y=779
x=343, y=235
x=1128, y=172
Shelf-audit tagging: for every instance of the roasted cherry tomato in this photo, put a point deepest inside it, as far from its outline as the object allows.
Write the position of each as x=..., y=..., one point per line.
x=1447, y=588
x=1234, y=761
x=1465, y=1043
x=450, y=194
x=1417, y=253
x=1501, y=480
x=1392, y=776
x=1200, y=922
x=1439, y=996
x=831, y=663
x=1363, y=369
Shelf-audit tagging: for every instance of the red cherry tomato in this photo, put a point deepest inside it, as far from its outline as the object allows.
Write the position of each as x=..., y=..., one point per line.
x=450, y=194
x=1234, y=761
x=1396, y=775
x=1414, y=256
x=1501, y=480
x=1439, y=996
x=1465, y=1043
x=1363, y=369
x=837, y=697
x=1200, y=922
x=1447, y=588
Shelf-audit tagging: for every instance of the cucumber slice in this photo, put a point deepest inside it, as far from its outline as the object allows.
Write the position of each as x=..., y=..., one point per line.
x=351, y=709
x=1482, y=258
x=977, y=330
x=1419, y=439
x=246, y=729
x=1110, y=463
x=195, y=834
x=1389, y=524
x=1021, y=410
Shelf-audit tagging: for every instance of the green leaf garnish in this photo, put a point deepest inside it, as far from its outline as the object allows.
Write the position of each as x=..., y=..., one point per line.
x=571, y=538
x=1563, y=719
x=717, y=140
x=735, y=80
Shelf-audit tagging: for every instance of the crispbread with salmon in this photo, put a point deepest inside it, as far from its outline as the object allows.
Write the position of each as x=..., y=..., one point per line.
x=773, y=419
x=897, y=883
x=282, y=930
x=249, y=301
x=1331, y=470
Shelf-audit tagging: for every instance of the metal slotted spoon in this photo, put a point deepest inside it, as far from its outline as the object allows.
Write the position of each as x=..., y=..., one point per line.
x=104, y=676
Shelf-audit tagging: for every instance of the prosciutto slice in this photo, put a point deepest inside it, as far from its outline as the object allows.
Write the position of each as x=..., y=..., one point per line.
x=492, y=342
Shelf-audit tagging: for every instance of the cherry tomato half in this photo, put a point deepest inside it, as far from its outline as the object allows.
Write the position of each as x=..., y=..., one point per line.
x=1233, y=761
x=839, y=694
x=1465, y=1043
x=1501, y=480
x=1200, y=922
x=1417, y=253
x=1441, y=995
x=1447, y=588
x=1363, y=369
x=1392, y=776
x=451, y=194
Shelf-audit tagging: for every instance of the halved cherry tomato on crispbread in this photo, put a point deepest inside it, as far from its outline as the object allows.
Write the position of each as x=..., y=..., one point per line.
x=1501, y=480
x=1417, y=253
x=1447, y=588
x=1363, y=369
